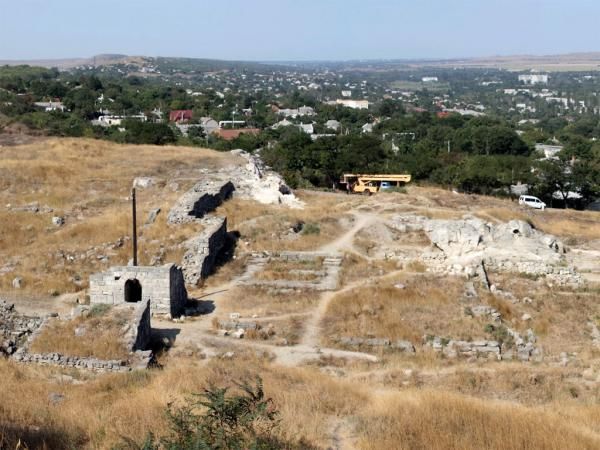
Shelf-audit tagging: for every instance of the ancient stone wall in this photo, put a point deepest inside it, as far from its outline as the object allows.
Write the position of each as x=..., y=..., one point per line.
x=139, y=329
x=200, y=258
x=163, y=286
x=203, y=198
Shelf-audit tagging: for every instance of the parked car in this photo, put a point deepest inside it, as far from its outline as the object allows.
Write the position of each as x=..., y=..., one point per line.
x=532, y=201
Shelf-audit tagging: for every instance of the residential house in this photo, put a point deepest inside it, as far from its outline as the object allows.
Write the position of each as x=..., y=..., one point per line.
x=549, y=151
x=333, y=125
x=50, y=106
x=532, y=79
x=181, y=115
x=355, y=104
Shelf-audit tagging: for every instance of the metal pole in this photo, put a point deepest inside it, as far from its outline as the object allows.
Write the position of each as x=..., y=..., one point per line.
x=134, y=227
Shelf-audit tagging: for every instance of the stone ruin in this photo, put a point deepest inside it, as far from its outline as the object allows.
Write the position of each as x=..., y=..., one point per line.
x=206, y=196
x=203, y=250
x=325, y=278
x=460, y=247
x=136, y=338
x=518, y=347
x=15, y=328
x=163, y=286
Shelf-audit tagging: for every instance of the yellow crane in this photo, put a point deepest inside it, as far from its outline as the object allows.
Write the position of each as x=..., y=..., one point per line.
x=370, y=184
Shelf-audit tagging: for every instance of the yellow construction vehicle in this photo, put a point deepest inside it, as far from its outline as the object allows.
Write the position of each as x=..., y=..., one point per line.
x=370, y=184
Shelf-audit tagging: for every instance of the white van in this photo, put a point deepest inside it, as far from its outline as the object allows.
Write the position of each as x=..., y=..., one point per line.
x=532, y=201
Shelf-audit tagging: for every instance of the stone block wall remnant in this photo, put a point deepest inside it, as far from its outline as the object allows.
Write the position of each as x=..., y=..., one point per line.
x=163, y=286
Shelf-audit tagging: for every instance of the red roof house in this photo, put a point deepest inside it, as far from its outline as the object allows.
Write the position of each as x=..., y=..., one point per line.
x=180, y=115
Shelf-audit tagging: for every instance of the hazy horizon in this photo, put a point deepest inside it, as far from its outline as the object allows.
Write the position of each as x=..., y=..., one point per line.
x=287, y=31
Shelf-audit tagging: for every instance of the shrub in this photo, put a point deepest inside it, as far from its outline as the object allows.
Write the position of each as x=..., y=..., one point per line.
x=216, y=420
x=99, y=310
x=311, y=228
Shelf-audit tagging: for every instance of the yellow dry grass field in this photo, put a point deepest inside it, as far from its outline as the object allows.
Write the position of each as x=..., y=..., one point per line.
x=88, y=182
x=291, y=270
x=101, y=411
x=314, y=408
x=422, y=308
x=432, y=420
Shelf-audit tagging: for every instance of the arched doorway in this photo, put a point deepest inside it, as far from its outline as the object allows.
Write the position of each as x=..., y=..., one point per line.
x=133, y=291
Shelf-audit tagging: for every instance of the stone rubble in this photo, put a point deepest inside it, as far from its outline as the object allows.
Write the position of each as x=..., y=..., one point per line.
x=595, y=334
x=15, y=329
x=398, y=345
x=521, y=348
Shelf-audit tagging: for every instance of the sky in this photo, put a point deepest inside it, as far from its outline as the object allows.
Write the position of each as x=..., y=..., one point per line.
x=287, y=30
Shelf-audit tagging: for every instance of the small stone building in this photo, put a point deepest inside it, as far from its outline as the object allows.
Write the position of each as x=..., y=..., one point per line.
x=163, y=286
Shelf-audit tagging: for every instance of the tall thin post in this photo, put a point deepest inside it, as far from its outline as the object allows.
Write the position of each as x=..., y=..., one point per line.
x=134, y=227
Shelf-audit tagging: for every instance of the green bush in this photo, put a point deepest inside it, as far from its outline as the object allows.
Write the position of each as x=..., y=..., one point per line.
x=216, y=420
x=99, y=310
x=311, y=228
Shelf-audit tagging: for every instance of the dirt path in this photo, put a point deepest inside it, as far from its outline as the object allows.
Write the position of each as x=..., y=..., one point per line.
x=342, y=435
x=190, y=332
x=345, y=241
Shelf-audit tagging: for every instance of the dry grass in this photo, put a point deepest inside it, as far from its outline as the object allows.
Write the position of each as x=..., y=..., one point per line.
x=102, y=338
x=502, y=214
x=265, y=302
x=290, y=270
x=425, y=306
x=355, y=268
x=100, y=412
x=438, y=420
x=88, y=182
x=267, y=227
x=578, y=226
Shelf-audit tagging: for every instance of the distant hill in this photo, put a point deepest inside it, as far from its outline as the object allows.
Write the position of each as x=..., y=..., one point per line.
x=163, y=64
x=564, y=62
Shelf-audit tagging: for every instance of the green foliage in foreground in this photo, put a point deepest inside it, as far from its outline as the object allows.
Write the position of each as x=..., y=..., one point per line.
x=216, y=420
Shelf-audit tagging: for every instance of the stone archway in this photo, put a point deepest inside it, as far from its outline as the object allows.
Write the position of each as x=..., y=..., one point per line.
x=133, y=291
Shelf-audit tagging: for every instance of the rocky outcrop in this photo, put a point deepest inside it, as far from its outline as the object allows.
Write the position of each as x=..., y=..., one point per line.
x=460, y=247
x=256, y=181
